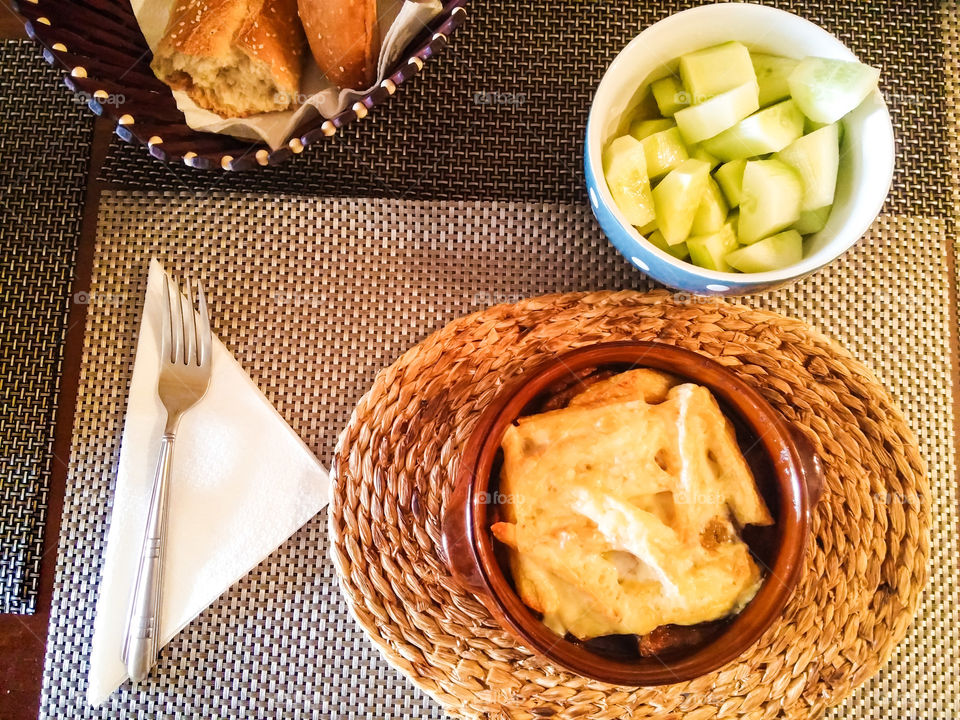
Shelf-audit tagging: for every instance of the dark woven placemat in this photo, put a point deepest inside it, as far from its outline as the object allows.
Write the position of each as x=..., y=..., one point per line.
x=501, y=114
x=44, y=152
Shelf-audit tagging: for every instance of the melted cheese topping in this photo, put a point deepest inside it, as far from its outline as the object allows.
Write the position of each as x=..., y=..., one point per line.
x=622, y=509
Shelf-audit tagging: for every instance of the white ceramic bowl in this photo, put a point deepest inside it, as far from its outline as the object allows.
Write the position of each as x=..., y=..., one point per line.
x=867, y=152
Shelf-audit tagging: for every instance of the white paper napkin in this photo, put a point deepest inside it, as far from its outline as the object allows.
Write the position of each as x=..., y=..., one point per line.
x=242, y=483
x=402, y=20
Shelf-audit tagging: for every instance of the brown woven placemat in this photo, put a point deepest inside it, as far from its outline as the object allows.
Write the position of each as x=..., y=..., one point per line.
x=396, y=462
x=40, y=209
x=501, y=113
x=315, y=297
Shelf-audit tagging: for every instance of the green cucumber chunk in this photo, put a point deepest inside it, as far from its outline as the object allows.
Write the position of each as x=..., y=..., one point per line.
x=773, y=73
x=625, y=169
x=816, y=157
x=665, y=151
x=648, y=228
x=712, y=213
x=769, y=199
x=730, y=177
x=826, y=90
x=677, y=198
x=670, y=95
x=773, y=253
x=812, y=221
x=679, y=250
x=734, y=220
x=715, y=70
x=699, y=153
x=641, y=128
x=713, y=116
x=710, y=251
x=810, y=126
x=764, y=132
x=645, y=109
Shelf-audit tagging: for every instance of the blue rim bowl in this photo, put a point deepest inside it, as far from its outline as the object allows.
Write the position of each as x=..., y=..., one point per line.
x=867, y=151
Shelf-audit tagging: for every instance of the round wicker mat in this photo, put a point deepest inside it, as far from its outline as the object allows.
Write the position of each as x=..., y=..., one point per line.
x=394, y=465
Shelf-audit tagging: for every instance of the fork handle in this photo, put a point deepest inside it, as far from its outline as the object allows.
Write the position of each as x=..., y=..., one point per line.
x=143, y=622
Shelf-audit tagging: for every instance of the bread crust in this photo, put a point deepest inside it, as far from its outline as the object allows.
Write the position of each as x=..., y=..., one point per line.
x=264, y=33
x=344, y=38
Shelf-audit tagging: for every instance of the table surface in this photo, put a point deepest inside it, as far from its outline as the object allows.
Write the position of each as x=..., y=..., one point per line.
x=23, y=637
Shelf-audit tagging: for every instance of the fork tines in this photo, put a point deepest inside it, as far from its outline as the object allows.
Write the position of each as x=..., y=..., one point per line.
x=185, y=335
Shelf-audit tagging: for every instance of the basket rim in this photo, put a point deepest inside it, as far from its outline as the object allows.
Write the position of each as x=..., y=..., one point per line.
x=85, y=75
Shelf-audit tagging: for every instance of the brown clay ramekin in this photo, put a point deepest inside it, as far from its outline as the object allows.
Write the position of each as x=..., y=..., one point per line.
x=788, y=475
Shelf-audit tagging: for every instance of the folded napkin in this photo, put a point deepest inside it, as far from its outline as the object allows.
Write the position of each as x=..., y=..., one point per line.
x=242, y=482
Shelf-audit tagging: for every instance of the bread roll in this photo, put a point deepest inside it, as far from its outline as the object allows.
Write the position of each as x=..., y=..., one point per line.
x=233, y=57
x=344, y=38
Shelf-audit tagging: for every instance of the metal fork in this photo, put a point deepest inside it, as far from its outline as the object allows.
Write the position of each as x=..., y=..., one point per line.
x=185, y=350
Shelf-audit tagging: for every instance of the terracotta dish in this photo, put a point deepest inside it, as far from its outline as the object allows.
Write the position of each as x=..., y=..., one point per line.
x=788, y=476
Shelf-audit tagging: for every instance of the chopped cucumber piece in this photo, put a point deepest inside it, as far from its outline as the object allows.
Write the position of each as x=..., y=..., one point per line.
x=773, y=72
x=625, y=169
x=641, y=129
x=712, y=213
x=816, y=157
x=679, y=250
x=713, y=116
x=810, y=126
x=826, y=90
x=774, y=253
x=764, y=132
x=812, y=221
x=670, y=95
x=710, y=251
x=645, y=230
x=730, y=177
x=715, y=70
x=677, y=199
x=699, y=153
x=769, y=199
x=734, y=219
x=665, y=150
x=645, y=109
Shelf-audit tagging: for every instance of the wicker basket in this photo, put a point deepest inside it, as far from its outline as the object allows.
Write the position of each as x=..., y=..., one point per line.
x=107, y=62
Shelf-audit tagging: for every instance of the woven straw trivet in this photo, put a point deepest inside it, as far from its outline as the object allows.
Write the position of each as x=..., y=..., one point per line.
x=865, y=564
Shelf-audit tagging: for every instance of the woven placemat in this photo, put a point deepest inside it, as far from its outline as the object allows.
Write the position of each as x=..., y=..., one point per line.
x=40, y=209
x=501, y=114
x=397, y=460
x=314, y=297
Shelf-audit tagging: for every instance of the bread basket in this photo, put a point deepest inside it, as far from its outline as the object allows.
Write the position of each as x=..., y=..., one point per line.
x=107, y=62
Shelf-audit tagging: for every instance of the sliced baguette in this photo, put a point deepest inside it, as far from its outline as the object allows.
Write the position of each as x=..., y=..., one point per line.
x=344, y=38
x=233, y=57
